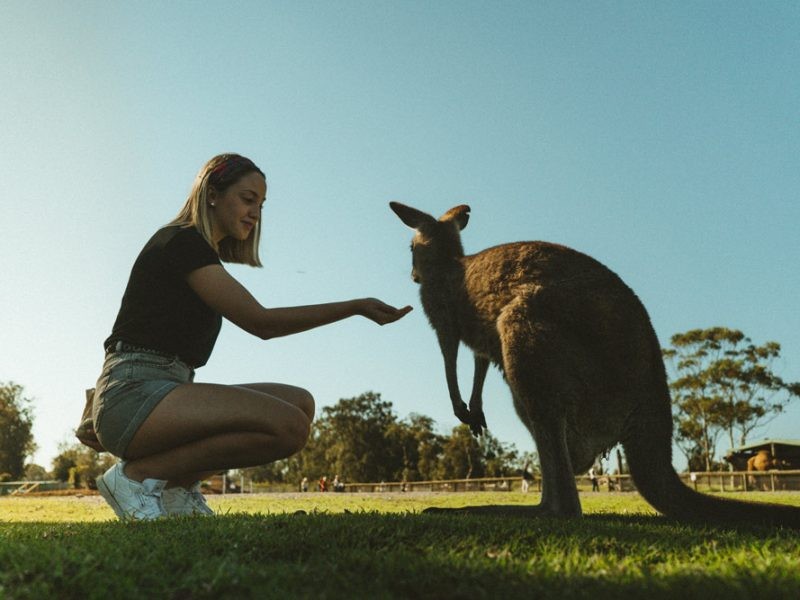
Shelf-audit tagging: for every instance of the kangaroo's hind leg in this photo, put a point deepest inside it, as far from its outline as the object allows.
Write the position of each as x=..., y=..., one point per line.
x=536, y=366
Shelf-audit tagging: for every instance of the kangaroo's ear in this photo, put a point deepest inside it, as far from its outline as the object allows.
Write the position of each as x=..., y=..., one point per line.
x=458, y=214
x=411, y=216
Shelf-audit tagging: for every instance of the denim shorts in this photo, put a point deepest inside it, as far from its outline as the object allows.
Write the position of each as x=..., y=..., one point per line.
x=129, y=388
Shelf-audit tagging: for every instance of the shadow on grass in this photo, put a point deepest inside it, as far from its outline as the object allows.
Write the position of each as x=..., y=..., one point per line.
x=378, y=555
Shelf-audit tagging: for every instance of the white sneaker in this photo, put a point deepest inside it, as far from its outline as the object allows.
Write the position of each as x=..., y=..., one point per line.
x=130, y=499
x=179, y=501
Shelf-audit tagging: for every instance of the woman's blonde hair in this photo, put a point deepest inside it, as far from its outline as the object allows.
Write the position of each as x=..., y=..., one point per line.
x=219, y=174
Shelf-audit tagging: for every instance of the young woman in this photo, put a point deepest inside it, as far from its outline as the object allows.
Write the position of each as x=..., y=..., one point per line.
x=172, y=433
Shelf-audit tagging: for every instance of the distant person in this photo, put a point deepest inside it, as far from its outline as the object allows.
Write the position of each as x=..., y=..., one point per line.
x=323, y=484
x=304, y=484
x=593, y=479
x=170, y=432
x=527, y=478
x=338, y=484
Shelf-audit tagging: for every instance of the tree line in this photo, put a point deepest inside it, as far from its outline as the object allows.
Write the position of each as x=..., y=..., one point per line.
x=361, y=439
x=723, y=386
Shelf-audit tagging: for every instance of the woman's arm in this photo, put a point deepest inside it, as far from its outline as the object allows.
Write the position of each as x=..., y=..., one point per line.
x=219, y=290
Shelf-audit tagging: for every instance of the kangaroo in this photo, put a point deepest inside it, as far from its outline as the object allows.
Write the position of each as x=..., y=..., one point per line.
x=579, y=353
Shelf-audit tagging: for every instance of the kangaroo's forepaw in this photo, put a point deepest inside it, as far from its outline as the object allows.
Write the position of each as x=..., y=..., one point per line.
x=462, y=412
x=477, y=422
x=474, y=418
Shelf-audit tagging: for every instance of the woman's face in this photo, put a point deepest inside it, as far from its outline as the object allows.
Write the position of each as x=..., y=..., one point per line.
x=236, y=212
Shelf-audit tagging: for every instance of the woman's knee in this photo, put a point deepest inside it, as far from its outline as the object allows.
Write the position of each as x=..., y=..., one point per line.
x=290, y=439
x=297, y=433
x=301, y=398
x=305, y=402
x=294, y=395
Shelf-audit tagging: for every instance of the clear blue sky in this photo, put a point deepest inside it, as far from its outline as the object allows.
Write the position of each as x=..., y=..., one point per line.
x=661, y=138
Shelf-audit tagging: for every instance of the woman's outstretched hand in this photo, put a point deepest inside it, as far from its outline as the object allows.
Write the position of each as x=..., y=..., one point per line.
x=226, y=296
x=380, y=312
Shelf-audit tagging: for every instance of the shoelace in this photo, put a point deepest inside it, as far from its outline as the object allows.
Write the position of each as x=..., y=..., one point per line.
x=198, y=500
x=154, y=493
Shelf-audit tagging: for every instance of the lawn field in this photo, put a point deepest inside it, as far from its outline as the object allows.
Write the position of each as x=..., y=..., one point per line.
x=381, y=546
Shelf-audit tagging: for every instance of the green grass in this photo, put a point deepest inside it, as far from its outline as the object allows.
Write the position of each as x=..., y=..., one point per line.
x=380, y=546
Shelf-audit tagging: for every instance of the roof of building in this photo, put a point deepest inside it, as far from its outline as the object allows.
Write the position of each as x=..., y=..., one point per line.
x=764, y=443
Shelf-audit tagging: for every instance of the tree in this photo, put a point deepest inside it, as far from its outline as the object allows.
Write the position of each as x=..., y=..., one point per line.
x=724, y=384
x=16, y=423
x=80, y=465
x=419, y=447
x=362, y=440
x=461, y=455
x=428, y=446
x=499, y=458
x=466, y=457
x=34, y=472
x=526, y=460
x=274, y=472
x=359, y=441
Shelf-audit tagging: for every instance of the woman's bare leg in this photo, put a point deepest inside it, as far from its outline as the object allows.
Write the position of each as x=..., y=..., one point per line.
x=301, y=398
x=204, y=428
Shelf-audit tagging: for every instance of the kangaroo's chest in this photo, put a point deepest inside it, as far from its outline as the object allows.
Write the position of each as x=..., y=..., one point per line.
x=469, y=320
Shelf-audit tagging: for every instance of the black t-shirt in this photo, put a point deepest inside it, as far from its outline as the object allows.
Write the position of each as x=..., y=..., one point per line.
x=159, y=310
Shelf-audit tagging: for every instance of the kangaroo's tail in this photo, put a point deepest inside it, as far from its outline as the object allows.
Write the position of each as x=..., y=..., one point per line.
x=648, y=448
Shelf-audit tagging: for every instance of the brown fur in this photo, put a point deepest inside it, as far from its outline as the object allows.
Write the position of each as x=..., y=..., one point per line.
x=579, y=354
x=762, y=461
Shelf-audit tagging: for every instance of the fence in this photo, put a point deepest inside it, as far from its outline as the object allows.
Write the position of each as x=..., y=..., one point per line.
x=20, y=488
x=711, y=481
x=744, y=481
x=714, y=481
x=488, y=484
x=445, y=485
